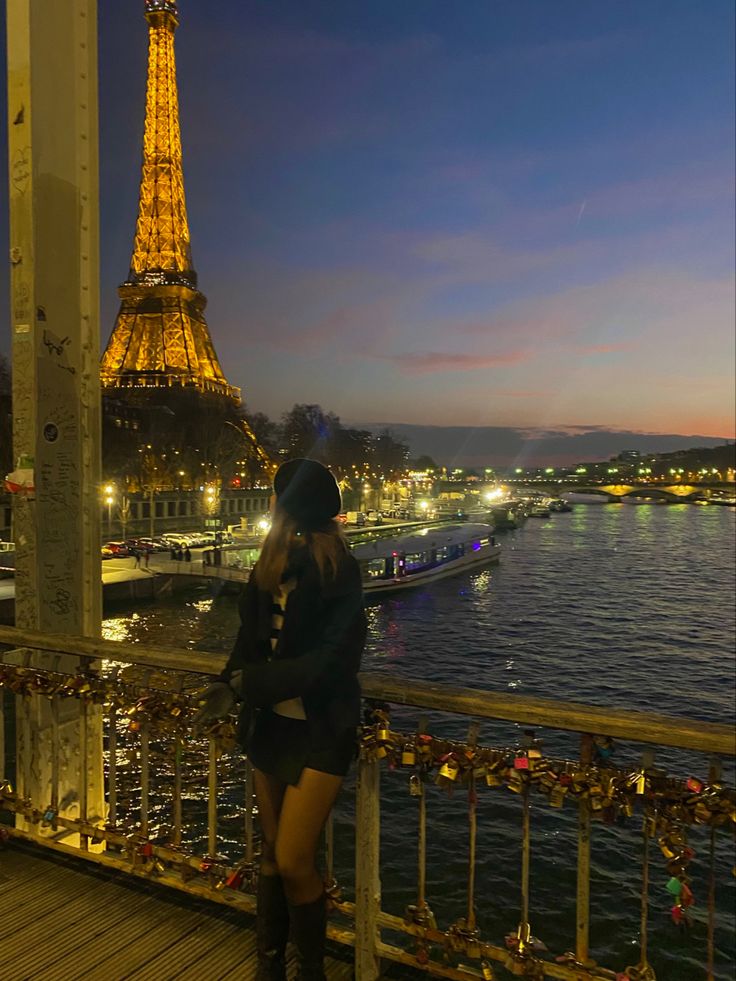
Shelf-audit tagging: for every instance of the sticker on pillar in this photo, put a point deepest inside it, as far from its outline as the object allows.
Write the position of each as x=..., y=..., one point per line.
x=51, y=432
x=21, y=480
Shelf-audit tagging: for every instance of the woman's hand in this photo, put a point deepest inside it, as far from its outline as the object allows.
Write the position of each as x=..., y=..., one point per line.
x=217, y=701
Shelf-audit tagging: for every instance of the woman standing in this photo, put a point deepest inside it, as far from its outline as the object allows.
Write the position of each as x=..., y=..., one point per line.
x=295, y=665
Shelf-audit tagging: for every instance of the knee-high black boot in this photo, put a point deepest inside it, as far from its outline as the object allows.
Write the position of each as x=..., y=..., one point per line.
x=308, y=930
x=272, y=928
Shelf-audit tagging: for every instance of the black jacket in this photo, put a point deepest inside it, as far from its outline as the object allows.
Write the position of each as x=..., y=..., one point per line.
x=318, y=653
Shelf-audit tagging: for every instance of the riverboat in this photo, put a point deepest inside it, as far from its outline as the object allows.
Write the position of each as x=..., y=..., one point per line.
x=559, y=506
x=422, y=556
x=509, y=515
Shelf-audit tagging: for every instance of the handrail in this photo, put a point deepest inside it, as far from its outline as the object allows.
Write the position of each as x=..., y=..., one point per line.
x=641, y=727
x=144, y=834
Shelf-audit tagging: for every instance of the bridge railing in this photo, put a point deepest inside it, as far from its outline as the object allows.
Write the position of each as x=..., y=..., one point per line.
x=181, y=809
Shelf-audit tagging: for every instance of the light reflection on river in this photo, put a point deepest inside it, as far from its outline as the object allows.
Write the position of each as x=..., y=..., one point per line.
x=627, y=606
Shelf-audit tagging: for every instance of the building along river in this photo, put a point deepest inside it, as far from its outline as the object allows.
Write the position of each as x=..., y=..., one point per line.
x=620, y=605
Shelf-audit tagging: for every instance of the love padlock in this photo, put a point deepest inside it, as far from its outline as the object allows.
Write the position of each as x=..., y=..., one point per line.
x=449, y=770
x=235, y=879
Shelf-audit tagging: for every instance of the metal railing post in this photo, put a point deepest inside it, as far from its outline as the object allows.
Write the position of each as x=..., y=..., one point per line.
x=367, y=871
x=582, y=915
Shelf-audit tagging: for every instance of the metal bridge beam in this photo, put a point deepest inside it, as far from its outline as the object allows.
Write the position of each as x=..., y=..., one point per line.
x=54, y=198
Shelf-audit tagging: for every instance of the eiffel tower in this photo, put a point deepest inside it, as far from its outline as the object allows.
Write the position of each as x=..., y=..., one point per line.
x=161, y=338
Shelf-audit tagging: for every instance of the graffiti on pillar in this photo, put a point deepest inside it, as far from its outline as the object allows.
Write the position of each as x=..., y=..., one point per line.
x=58, y=492
x=57, y=348
x=21, y=301
x=20, y=169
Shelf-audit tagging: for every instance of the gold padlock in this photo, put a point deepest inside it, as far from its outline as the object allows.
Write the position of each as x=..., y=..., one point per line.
x=557, y=796
x=408, y=756
x=515, y=782
x=449, y=770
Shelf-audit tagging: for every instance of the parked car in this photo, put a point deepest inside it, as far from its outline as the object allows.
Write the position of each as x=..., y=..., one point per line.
x=176, y=541
x=149, y=545
x=117, y=550
x=355, y=518
x=373, y=517
x=141, y=544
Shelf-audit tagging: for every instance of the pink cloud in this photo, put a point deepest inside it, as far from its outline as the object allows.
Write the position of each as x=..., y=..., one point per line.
x=434, y=361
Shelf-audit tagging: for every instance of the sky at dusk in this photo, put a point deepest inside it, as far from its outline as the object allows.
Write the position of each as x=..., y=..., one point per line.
x=512, y=214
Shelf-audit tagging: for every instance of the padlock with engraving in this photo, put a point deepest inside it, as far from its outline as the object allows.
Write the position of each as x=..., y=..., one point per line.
x=487, y=971
x=415, y=785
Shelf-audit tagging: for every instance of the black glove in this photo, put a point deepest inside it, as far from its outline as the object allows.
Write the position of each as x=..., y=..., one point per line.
x=216, y=702
x=236, y=683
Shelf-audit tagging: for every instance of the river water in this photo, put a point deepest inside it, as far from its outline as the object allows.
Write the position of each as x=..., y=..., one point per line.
x=614, y=605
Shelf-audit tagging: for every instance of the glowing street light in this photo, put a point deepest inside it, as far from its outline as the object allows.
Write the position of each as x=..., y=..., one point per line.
x=109, y=499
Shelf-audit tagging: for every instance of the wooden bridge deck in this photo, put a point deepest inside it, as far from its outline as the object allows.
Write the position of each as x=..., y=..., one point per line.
x=61, y=918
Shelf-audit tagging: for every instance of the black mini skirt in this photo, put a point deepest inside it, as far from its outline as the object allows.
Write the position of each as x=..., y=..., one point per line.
x=283, y=747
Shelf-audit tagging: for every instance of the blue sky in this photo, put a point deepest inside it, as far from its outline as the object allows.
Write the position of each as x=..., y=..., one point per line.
x=485, y=213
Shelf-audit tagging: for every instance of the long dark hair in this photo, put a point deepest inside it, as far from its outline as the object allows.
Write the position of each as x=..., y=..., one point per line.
x=326, y=545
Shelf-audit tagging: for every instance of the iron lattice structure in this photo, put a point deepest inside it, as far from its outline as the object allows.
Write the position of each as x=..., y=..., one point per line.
x=161, y=337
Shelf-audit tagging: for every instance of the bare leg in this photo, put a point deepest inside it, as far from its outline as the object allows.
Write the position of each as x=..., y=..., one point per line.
x=269, y=796
x=304, y=810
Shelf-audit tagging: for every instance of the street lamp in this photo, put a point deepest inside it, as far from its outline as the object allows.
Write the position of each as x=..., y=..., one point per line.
x=109, y=500
x=211, y=503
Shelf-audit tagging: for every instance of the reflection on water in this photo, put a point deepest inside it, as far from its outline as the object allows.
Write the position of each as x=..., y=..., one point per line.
x=624, y=606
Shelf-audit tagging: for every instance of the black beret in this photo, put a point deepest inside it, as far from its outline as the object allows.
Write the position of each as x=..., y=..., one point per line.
x=307, y=491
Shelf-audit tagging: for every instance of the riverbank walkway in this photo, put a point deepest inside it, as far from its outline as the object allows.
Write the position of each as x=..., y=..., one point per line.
x=61, y=918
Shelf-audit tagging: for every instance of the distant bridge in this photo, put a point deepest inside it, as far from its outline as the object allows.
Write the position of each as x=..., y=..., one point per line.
x=616, y=491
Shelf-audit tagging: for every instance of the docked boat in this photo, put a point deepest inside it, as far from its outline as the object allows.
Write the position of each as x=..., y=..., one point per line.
x=509, y=515
x=422, y=556
x=558, y=506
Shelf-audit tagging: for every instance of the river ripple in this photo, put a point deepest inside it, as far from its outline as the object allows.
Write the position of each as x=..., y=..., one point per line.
x=614, y=605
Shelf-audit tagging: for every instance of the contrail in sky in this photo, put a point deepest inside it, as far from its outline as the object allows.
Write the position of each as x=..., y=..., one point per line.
x=580, y=213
